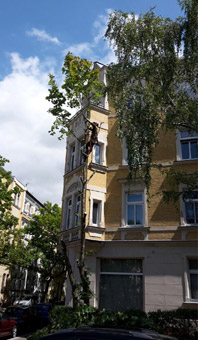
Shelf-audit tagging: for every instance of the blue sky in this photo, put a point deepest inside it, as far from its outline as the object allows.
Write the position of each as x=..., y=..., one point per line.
x=35, y=36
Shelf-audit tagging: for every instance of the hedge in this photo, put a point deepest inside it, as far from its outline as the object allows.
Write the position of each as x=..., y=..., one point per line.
x=180, y=323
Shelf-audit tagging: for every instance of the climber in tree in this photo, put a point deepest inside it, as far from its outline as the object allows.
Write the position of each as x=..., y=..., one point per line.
x=93, y=127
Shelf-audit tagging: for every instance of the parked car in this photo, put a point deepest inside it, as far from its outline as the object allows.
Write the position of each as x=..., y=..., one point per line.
x=27, y=317
x=44, y=311
x=89, y=333
x=8, y=327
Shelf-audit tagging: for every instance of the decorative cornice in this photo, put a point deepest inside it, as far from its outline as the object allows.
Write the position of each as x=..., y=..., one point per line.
x=99, y=108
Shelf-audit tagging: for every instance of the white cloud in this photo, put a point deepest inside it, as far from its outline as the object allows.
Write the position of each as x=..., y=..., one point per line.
x=81, y=49
x=35, y=157
x=109, y=57
x=42, y=35
x=100, y=26
x=99, y=48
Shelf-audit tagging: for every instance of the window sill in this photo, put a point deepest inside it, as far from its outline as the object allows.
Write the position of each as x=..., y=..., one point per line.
x=185, y=161
x=95, y=227
x=188, y=226
x=98, y=167
x=95, y=231
x=134, y=227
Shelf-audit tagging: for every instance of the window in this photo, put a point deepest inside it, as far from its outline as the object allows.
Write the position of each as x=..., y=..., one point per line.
x=193, y=278
x=77, y=211
x=68, y=214
x=32, y=209
x=27, y=207
x=96, y=213
x=17, y=200
x=189, y=144
x=81, y=158
x=97, y=154
x=134, y=209
x=125, y=274
x=72, y=157
x=191, y=207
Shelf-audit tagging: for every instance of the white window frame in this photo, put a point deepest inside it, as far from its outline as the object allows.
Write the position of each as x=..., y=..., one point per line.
x=183, y=219
x=134, y=189
x=32, y=210
x=27, y=207
x=98, y=216
x=72, y=157
x=97, y=197
x=191, y=271
x=17, y=200
x=187, y=283
x=95, y=155
x=193, y=201
x=179, y=140
x=77, y=214
x=101, y=155
x=72, y=190
x=134, y=204
x=81, y=149
x=68, y=218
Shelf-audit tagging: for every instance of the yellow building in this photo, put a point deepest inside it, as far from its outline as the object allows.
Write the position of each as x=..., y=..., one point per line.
x=140, y=255
x=19, y=283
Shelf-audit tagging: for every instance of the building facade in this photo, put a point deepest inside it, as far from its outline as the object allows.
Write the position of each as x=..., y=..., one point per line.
x=19, y=282
x=140, y=254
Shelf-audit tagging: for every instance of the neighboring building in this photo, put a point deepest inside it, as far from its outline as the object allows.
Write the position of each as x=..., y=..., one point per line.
x=20, y=282
x=140, y=254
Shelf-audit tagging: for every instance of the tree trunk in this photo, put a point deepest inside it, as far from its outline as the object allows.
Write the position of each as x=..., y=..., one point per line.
x=85, y=283
x=75, y=292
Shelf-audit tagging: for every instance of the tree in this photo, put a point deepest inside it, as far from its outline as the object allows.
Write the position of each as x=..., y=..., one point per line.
x=36, y=247
x=81, y=86
x=41, y=250
x=154, y=83
x=81, y=83
x=8, y=222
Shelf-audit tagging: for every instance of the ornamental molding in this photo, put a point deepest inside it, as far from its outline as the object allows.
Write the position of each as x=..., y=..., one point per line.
x=73, y=187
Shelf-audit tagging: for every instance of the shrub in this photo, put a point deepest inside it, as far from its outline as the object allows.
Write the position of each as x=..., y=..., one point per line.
x=39, y=333
x=66, y=317
x=181, y=323
x=128, y=319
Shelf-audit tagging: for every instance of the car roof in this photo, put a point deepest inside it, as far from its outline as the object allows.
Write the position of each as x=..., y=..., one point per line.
x=106, y=334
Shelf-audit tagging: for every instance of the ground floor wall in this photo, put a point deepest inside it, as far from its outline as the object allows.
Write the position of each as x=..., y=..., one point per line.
x=159, y=277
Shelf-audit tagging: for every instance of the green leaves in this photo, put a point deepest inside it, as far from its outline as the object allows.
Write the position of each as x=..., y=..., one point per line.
x=157, y=62
x=43, y=232
x=81, y=83
x=8, y=222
